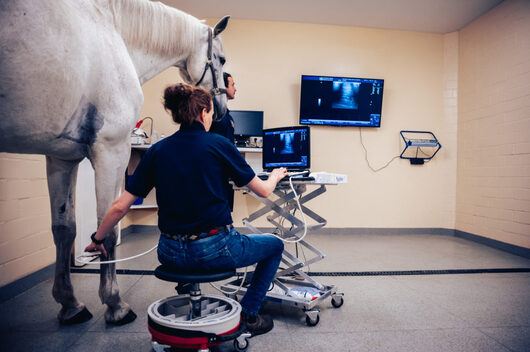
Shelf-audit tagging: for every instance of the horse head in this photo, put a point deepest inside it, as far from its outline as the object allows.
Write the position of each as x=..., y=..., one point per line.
x=204, y=67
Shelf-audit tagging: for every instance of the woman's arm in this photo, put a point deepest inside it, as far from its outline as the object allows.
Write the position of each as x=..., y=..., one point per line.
x=120, y=207
x=265, y=188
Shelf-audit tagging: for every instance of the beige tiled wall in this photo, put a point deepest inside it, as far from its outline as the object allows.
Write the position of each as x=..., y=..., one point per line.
x=493, y=188
x=26, y=242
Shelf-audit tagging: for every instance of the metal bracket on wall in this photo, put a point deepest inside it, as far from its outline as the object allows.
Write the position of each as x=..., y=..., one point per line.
x=420, y=146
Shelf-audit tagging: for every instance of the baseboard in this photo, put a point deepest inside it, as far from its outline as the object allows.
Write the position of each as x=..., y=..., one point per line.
x=503, y=246
x=23, y=284
x=13, y=289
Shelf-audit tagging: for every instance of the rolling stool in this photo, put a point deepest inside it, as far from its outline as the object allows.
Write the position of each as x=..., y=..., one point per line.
x=195, y=321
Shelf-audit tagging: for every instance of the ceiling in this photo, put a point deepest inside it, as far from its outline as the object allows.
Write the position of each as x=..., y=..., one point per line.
x=436, y=16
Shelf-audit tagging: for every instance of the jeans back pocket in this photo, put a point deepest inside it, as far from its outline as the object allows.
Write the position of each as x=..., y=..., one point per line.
x=218, y=259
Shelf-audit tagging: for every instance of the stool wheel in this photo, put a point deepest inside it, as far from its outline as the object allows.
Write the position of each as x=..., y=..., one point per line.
x=240, y=346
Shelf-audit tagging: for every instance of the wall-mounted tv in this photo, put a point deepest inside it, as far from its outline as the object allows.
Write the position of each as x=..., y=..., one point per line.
x=341, y=101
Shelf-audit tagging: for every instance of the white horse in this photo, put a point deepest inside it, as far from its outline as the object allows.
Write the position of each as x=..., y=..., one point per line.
x=70, y=88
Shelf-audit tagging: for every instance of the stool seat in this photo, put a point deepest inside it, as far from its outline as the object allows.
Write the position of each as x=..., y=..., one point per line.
x=168, y=273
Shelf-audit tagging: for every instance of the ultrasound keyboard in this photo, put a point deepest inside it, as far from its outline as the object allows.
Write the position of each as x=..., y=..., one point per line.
x=286, y=178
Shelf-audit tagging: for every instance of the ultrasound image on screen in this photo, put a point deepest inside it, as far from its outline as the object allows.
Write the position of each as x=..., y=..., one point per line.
x=286, y=148
x=345, y=95
x=341, y=101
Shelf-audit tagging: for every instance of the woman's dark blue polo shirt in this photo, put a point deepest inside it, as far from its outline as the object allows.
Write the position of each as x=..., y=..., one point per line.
x=190, y=170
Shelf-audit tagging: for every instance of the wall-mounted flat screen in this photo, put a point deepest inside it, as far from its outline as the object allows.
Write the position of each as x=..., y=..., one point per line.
x=341, y=101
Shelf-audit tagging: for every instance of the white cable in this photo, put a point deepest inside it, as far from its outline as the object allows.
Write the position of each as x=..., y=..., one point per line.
x=237, y=289
x=366, y=156
x=283, y=239
x=301, y=211
x=88, y=255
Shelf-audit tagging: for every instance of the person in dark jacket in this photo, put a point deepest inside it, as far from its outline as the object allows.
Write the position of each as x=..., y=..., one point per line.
x=225, y=127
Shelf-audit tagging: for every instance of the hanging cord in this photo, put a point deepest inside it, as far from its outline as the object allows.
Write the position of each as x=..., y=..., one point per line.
x=237, y=289
x=366, y=156
x=296, y=197
x=90, y=255
x=424, y=160
x=301, y=211
x=85, y=259
x=217, y=288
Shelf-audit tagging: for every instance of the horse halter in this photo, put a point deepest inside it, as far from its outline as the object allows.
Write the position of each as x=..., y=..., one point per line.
x=209, y=65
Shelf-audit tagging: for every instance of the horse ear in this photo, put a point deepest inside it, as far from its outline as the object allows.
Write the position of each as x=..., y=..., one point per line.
x=220, y=26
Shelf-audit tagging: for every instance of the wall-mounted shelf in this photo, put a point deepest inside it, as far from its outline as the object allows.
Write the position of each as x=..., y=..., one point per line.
x=419, y=146
x=249, y=150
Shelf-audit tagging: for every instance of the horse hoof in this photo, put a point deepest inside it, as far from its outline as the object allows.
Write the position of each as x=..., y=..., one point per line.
x=79, y=318
x=129, y=318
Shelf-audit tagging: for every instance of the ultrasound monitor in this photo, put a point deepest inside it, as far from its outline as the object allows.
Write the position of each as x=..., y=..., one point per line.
x=341, y=101
x=287, y=147
x=247, y=124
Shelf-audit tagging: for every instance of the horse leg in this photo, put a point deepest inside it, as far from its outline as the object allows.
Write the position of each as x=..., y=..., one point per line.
x=109, y=166
x=62, y=177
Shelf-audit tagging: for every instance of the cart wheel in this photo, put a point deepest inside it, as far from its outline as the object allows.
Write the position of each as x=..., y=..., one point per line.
x=241, y=347
x=337, y=301
x=312, y=322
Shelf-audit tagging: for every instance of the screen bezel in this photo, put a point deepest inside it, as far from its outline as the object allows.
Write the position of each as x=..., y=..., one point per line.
x=335, y=124
x=244, y=111
x=288, y=128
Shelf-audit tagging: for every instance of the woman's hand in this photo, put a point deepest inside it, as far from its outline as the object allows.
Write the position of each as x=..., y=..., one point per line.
x=265, y=188
x=92, y=247
x=278, y=174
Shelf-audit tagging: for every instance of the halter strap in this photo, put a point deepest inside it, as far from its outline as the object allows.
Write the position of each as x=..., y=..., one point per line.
x=209, y=65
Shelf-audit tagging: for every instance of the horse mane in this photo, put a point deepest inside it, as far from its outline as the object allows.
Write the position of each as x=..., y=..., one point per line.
x=155, y=27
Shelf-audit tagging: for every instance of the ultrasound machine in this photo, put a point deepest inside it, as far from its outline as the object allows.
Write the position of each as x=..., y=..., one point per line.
x=289, y=147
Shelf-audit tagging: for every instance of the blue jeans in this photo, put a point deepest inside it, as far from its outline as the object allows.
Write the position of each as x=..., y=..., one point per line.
x=227, y=251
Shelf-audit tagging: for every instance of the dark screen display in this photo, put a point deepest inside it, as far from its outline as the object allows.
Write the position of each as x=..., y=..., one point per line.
x=287, y=147
x=341, y=101
x=247, y=123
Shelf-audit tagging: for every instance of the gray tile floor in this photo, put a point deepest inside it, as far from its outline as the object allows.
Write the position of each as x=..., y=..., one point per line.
x=466, y=312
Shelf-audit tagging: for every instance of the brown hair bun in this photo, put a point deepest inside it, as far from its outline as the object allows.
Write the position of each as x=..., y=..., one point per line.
x=186, y=102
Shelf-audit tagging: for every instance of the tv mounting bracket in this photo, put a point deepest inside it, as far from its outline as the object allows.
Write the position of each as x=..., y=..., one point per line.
x=419, y=142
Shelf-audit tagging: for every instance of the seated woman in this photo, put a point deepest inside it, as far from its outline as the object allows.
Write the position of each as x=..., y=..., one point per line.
x=189, y=171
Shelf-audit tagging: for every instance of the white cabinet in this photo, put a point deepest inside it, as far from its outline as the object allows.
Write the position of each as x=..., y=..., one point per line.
x=85, y=206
